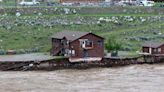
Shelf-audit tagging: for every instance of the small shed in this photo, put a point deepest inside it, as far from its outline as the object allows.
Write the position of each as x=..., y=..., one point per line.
x=153, y=48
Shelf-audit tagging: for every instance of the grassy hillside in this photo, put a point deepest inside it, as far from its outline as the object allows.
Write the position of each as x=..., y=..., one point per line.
x=30, y=33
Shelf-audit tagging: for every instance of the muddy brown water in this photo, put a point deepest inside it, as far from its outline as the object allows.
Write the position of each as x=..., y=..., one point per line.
x=136, y=78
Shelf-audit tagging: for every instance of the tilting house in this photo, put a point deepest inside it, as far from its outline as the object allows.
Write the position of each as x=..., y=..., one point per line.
x=75, y=44
x=153, y=48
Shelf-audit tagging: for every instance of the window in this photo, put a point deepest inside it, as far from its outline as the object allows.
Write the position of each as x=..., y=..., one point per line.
x=72, y=52
x=89, y=43
x=67, y=43
x=81, y=43
x=86, y=43
x=100, y=43
x=155, y=50
x=159, y=49
x=66, y=51
x=64, y=42
x=62, y=51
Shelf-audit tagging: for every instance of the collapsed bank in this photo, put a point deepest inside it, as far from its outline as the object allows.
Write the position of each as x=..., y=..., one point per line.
x=65, y=63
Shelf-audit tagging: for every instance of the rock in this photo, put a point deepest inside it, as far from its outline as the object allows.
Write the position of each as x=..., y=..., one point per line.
x=128, y=18
x=159, y=33
x=161, y=36
x=39, y=14
x=101, y=19
x=4, y=15
x=74, y=11
x=143, y=20
x=18, y=14
x=78, y=22
x=31, y=65
x=66, y=10
x=98, y=22
x=8, y=27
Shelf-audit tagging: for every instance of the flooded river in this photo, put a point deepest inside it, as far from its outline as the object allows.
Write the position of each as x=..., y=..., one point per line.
x=137, y=78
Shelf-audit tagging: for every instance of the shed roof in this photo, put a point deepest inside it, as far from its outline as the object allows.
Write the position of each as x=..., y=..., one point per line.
x=70, y=35
x=153, y=44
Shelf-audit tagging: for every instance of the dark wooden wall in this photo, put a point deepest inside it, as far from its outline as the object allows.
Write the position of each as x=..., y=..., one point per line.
x=146, y=49
x=97, y=51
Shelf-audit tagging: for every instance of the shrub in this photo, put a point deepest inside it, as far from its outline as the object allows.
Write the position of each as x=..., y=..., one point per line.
x=2, y=52
x=113, y=46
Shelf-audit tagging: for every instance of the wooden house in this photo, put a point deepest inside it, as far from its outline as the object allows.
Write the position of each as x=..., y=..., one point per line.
x=153, y=48
x=76, y=44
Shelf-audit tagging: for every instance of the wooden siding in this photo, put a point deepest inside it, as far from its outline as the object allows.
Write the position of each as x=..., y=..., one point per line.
x=154, y=50
x=96, y=51
x=74, y=49
x=56, y=46
x=162, y=49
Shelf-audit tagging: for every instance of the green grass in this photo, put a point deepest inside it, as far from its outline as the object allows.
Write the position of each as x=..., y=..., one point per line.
x=127, y=54
x=29, y=37
x=26, y=36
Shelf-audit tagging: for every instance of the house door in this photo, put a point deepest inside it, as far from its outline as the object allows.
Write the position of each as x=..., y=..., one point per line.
x=85, y=53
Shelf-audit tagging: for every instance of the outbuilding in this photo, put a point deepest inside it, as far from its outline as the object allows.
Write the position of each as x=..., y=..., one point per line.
x=153, y=48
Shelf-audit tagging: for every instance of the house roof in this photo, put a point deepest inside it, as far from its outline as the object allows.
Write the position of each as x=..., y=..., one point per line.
x=153, y=44
x=69, y=35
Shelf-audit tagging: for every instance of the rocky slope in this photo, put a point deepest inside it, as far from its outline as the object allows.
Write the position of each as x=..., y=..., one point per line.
x=31, y=32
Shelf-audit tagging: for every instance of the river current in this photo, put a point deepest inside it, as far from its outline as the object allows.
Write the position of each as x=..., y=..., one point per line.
x=135, y=78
